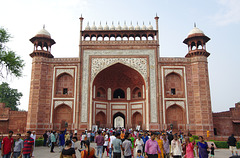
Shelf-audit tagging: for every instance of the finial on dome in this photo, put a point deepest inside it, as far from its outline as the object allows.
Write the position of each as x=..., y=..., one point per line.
x=43, y=26
x=195, y=24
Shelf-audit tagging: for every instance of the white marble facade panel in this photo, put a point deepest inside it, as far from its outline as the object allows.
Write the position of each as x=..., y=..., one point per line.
x=141, y=64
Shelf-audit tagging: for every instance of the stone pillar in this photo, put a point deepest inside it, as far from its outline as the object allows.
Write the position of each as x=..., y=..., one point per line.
x=40, y=96
x=201, y=95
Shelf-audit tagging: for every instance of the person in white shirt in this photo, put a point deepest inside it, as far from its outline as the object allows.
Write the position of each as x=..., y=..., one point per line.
x=33, y=136
x=176, y=147
x=83, y=139
x=105, y=145
x=112, y=137
x=138, y=145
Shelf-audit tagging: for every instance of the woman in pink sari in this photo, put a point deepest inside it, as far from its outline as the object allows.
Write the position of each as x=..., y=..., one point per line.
x=189, y=148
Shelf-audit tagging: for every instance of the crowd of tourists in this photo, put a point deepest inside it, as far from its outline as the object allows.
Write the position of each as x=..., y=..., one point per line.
x=116, y=143
x=128, y=143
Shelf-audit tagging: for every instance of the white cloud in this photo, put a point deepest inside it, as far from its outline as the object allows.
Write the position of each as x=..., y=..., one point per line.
x=229, y=12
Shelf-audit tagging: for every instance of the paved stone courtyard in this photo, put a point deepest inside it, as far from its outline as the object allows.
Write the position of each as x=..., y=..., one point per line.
x=44, y=152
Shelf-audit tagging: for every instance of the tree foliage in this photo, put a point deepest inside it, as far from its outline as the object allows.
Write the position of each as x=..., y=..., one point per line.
x=11, y=97
x=9, y=61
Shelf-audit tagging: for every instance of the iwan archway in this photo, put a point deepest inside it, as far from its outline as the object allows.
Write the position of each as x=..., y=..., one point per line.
x=119, y=92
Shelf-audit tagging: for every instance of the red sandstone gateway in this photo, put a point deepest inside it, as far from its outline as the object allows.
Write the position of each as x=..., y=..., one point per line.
x=119, y=80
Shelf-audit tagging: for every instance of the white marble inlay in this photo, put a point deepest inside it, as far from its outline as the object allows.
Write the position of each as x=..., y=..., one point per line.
x=178, y=71
x=170, y=103
x=150, y=69
x=133, y=111
x=118, y=107
x=101, y=106
x=128, y=93
x=68, y=71
x=57, y=103
x=138, y=106
x=100, y=110
x=139, y=64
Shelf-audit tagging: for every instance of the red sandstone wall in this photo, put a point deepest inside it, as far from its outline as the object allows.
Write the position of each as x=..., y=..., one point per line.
x=17, y=121
x=223, y=125
x=12, y=120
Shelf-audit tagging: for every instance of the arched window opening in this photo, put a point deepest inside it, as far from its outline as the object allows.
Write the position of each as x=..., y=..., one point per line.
x=144, y=38
x=39, y=48
x=98, y=94
x=174, y=85
x=199, y=45
x=139, y=95
x=93, y=38
x=87, y=38
x=112, y=38
x=150, y=38
x=119, y=93
x=193, y=46
x=125, y=38
x=137, y=38
x=100, y=38
x=64, y=85
x=136, y=93
x=131, y=39
x=106, y=38
x=118, y=38
x=45, y=48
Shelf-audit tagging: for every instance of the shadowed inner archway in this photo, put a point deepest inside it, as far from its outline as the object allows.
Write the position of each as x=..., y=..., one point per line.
x=114, y=89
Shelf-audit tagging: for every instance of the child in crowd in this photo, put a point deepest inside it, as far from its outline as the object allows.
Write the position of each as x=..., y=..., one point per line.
x=139, y=154
x=212, y=151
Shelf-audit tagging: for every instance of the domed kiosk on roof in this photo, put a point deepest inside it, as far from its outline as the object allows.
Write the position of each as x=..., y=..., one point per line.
x=43, y=32
x=42, y=44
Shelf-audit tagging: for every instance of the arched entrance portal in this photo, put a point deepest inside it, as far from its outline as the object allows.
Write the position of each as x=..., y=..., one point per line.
x=118, y=90
x=175, y=116
x=118, y=120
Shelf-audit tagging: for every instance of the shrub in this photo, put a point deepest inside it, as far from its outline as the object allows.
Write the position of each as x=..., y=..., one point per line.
x=195, y=137
x=39, y=142
x=221, y=144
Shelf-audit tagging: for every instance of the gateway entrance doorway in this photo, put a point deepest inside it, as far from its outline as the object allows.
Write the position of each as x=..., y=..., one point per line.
x=118, y=120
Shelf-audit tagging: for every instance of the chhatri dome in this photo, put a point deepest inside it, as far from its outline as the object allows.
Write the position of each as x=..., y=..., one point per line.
x=43, y=32
x=195, y=30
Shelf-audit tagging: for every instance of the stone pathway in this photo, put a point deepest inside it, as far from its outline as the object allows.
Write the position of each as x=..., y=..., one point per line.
x=44, y=152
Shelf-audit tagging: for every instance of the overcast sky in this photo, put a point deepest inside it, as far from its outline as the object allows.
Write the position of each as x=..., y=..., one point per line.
x=218, y=19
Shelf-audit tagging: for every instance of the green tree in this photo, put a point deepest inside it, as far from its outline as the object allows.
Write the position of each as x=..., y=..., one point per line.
x=9, y=61
x=11, y=97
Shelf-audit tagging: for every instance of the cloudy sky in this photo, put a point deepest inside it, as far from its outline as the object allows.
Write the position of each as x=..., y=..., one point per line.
x=219, y=19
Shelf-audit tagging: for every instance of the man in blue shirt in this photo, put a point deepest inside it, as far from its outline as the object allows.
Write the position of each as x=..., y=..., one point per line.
x=144, y=138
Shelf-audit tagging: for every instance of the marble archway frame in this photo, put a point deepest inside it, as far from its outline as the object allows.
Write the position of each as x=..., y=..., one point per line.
x=119, y=56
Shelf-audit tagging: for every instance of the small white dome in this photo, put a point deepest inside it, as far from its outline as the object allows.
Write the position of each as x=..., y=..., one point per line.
x=150, y=27
x=87, y=27
x=118, y=27
x=93, y=26
x=144, y=27
x=195, y=30
x=106, y=27
x=125, y=26
x=112, y=27
x=131, y=27
x=137, y=27
x=100, y=27
x=43, y=32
